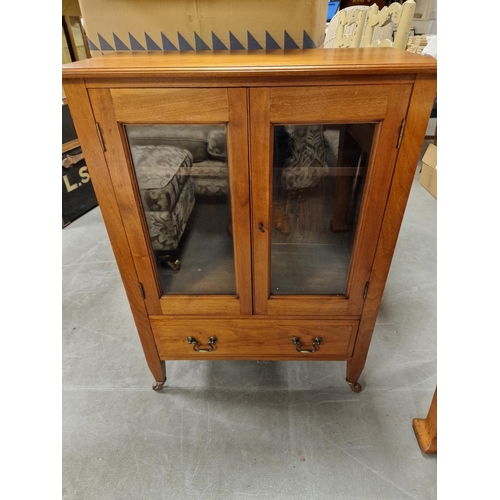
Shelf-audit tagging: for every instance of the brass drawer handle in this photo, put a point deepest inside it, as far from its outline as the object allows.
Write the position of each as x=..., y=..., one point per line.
x=316, y=342
x=196, y=346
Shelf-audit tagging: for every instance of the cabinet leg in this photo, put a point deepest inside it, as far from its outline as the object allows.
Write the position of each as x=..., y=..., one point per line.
x=160, y=375
x=158, y=386
x=353, y=374
x=426, y=428
x=355, y=386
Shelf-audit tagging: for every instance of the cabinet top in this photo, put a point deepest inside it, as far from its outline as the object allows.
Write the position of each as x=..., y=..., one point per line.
x=310, y=62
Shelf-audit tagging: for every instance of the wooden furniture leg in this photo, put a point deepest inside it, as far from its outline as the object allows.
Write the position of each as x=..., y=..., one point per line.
x=426, y=428
x=342, y=188
x=350, y=150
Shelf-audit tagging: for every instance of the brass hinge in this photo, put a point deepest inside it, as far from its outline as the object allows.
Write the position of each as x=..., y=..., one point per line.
x=100, y=137
x=143, y=293
x=401, y=132
x=365, y=292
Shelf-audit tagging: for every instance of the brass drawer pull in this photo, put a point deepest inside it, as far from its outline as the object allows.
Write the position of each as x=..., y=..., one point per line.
x=316, y=342
x=196, y=346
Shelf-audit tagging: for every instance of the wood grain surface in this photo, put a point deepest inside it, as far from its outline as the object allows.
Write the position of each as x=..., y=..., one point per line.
x=254, y=338
x=338, y=86
x=208, y=66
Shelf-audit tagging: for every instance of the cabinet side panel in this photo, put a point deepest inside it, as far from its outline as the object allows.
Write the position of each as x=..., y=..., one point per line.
x=81, y=110
x=423, y=94
x=378, y=186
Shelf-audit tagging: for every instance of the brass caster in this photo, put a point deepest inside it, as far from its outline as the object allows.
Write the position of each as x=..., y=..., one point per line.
x=175, y=265
x=157, y=386
x=355, y=386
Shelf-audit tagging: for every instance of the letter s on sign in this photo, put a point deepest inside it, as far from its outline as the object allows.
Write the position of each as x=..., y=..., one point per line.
x=84, y=174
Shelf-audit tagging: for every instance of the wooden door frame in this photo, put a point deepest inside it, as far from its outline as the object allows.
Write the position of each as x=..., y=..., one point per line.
x=115, y=107
x=384, y=104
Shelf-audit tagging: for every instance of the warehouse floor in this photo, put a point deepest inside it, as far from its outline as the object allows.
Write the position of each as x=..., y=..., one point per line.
x=238, y=430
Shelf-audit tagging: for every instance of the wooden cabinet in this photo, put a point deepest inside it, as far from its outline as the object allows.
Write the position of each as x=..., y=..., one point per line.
x=253, y=201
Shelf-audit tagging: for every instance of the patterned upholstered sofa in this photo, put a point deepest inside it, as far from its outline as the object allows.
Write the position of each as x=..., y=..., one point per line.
x=175, y=164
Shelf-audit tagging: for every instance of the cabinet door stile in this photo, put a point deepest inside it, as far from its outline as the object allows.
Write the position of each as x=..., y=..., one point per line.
x=239, y=178
x=261, y=168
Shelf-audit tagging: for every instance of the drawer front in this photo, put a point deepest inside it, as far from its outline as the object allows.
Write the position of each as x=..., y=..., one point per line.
x=258, y=339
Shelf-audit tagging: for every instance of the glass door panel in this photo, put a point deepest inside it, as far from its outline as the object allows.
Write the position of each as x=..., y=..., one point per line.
x=319, y=174
x=322, y=160
x=183, y=181
x=178, y=163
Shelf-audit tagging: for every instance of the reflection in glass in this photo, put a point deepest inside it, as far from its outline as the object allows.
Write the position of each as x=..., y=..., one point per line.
x=319, y=173
x=76, y=30
x=183, y=180
x=66, y=54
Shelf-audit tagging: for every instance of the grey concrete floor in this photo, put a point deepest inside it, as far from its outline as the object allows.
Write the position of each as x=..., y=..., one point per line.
x=238, y=430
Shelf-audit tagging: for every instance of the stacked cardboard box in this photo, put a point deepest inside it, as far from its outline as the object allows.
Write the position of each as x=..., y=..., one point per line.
x=428, y=174
x=199, y=25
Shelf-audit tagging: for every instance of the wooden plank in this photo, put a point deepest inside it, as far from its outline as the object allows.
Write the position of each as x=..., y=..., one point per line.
x=336, y=104
x=226, y=305
x=239, y=179
x=68, y=146
x=343, y=187
x=170, y=105
x=213, y=65
x=304, y=305
x=84, y=122
x=254, y=338
x=423, y=95
x=261, y=175
x=249, y=81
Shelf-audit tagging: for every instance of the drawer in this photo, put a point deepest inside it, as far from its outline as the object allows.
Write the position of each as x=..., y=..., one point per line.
x=254, y=338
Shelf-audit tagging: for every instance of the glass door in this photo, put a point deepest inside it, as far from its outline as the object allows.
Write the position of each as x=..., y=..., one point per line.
x=179, y=163
x=318, y=198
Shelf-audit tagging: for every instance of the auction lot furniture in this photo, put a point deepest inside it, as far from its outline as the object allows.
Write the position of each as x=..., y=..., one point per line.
x=289, y=258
